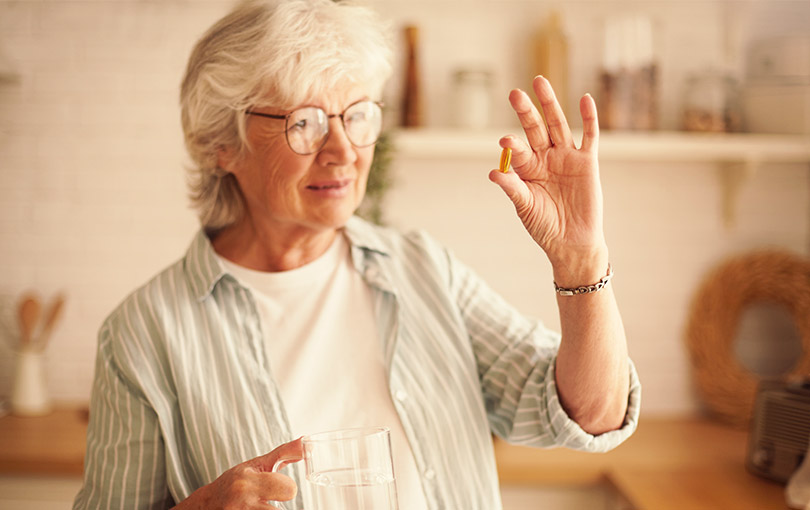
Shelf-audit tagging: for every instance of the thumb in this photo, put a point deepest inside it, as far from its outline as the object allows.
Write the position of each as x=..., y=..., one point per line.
x=511, y=184
x=279, y=457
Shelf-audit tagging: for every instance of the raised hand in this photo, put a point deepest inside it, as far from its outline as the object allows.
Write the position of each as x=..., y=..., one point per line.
x=555, y=185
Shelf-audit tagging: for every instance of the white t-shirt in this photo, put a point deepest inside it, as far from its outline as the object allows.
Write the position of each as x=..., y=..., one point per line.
x=326, y=354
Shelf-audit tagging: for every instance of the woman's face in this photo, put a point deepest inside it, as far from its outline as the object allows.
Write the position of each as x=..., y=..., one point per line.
x=294, y=193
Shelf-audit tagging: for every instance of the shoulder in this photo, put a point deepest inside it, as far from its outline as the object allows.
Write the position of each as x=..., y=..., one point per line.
x=142, y=316
x=147, y=318
x=133, y=339
x=173, y=289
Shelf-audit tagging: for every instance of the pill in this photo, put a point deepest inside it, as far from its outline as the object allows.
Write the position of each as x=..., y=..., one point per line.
x=506, y=158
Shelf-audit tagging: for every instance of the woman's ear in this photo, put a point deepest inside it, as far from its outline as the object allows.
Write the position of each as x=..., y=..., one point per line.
x=226, y=157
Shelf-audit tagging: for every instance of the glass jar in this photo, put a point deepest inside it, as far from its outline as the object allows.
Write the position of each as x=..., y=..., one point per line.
x=712, y=103
x=473, y=98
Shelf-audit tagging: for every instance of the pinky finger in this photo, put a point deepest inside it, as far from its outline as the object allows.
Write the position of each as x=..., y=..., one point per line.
x=590, y=123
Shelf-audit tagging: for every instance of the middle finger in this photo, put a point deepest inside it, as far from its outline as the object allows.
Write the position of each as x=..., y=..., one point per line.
x=555, y=118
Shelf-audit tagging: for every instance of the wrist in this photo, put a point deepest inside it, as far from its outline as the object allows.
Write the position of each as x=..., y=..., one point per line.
x=580, y=269
x=198, y=499
x=585, y=289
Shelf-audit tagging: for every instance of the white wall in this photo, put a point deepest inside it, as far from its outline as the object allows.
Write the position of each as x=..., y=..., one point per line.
x=92, y=197
x=665, y=230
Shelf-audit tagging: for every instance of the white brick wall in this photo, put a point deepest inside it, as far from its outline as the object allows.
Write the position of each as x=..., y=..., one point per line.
x=665, y=231
x=92, y=197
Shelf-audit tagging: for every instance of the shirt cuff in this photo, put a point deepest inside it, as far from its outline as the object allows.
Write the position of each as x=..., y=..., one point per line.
x=567, y=433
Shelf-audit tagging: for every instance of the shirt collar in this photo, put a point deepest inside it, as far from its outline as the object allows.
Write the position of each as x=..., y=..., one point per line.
x=204, y=269
x=361, y=235
x=202, y=266
x=369, y=250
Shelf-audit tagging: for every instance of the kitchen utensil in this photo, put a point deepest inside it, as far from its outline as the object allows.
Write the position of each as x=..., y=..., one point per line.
x=28, y=316
x=52, y=314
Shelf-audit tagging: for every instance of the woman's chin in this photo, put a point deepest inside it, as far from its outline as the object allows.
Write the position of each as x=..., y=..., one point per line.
x=335, y=219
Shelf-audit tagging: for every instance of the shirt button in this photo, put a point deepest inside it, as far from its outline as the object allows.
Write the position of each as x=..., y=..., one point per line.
x=430, y=474
x=401, y=395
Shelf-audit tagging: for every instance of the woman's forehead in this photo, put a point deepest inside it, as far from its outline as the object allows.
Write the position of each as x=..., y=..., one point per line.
x=329, y=97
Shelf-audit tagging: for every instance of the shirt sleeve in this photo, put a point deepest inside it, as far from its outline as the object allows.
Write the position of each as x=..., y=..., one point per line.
x=515, y=357
x=124, y=464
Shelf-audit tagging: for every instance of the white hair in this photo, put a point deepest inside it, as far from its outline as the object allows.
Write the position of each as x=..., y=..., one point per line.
x=277, y=53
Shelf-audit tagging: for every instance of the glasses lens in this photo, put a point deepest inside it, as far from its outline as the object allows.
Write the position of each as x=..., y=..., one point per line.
x=307, y=129
x=363, y=122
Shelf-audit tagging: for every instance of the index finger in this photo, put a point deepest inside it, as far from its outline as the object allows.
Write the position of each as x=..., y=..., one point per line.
x=530, y=120
x=279, y=457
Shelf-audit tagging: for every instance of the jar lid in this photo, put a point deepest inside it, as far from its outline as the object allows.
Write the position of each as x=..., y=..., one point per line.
x=472, y=74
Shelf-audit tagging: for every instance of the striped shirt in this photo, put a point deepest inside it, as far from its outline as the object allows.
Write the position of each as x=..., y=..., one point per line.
x=183, y=388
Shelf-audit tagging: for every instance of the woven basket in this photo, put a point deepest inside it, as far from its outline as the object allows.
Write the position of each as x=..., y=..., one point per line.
x=726, y=387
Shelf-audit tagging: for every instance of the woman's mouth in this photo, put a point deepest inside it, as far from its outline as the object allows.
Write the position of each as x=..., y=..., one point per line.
x=325, y=186
x=330, y=188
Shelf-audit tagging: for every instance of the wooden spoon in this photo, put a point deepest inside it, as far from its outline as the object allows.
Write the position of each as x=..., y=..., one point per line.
x=52, y=314
x=28, y=315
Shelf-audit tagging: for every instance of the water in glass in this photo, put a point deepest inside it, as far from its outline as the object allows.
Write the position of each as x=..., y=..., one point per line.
x=353, y=489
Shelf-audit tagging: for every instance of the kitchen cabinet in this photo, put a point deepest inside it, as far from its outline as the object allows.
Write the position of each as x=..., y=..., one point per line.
x=668, y=464
x=597, y=497
x=38, y=492
x=41, y=459
x=57, y=493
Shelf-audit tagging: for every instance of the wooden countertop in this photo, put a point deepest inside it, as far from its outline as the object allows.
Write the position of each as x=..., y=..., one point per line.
x=677, y=464
x=53, y=444
x=668, y=464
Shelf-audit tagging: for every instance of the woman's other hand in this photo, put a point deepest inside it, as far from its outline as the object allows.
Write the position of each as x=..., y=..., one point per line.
x=555, y=185
x=249, y=485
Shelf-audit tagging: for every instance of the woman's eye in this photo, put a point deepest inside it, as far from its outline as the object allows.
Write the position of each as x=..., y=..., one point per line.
x=357, y=117
x=301, y=124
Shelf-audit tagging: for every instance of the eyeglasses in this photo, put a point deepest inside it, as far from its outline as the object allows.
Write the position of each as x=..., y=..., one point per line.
x=307, y=128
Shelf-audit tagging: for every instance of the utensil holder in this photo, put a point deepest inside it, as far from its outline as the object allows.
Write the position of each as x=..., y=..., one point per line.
x=29, y=395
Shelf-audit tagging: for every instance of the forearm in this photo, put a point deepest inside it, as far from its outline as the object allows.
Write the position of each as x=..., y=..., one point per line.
x=592, y=372
x=557, y=195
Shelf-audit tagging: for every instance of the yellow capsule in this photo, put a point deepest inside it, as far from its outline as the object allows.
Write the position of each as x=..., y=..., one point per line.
x=506, y=158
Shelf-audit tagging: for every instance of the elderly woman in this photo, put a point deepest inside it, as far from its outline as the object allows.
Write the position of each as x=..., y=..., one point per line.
x=288, y=315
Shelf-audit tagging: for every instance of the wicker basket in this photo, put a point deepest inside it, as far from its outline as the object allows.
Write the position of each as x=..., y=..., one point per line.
x=726, y=387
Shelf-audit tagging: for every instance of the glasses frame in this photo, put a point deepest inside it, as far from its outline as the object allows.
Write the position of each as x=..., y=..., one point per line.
x=286, y=119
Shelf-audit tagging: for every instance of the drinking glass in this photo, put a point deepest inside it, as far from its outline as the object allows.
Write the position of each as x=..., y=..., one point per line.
x=350, y=469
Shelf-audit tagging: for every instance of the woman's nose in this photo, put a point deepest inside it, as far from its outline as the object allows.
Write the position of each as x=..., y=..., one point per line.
x=338, y=149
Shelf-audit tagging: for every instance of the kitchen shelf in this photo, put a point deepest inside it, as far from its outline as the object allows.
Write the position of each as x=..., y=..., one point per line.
x=662, y=146
x=736, y=156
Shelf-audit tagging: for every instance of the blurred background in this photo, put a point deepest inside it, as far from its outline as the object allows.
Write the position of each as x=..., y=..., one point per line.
x=705, y=109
